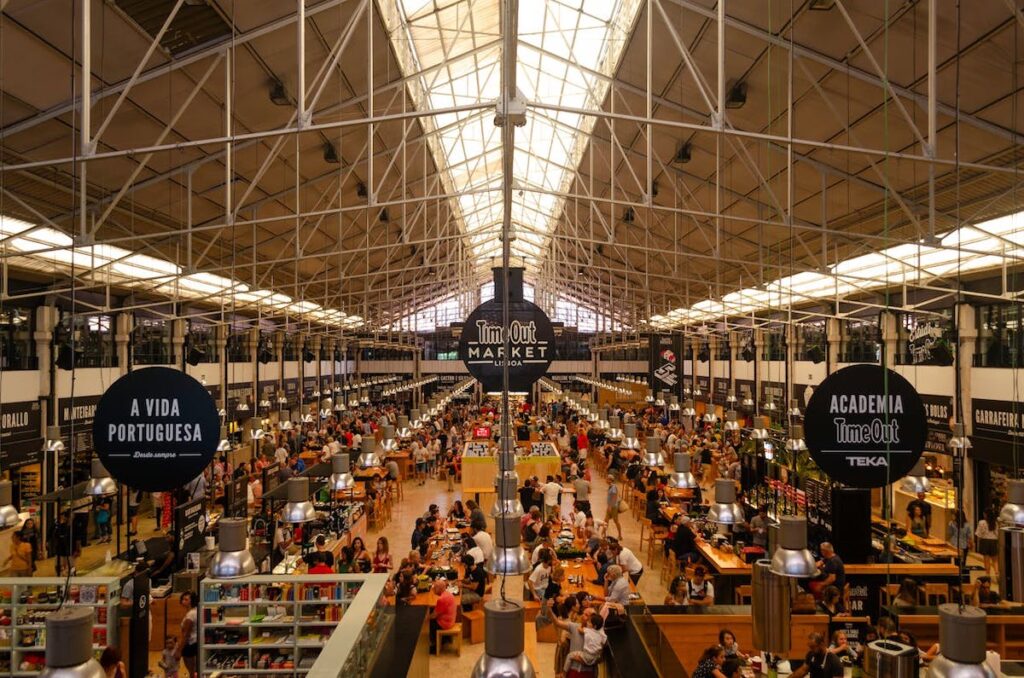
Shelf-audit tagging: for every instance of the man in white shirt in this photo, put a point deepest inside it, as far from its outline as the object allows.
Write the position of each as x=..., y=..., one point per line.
x=484, y=543
x=357, y=440
x=281, y=455
x=629, y=562
x=551, y=490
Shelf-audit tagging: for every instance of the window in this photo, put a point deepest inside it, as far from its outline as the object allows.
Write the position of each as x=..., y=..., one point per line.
x=861, y=343
x=85, y=341
x=151, y=342
x=17, y=347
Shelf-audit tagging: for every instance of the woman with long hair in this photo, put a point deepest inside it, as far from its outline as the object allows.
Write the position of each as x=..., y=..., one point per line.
x=710, y=663
x=382, y=558
x=361, y=561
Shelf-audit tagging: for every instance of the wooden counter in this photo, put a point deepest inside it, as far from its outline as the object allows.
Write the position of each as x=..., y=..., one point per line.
x=478, y=473
x=723, y=563
x=404, y=461
x=1004, y=628
x=694, y=629
x=941, y=515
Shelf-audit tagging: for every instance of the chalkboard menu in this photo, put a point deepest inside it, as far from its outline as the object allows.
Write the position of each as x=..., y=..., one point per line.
x=271, y=477
x=720, y=390
x=236, y=497
x=819, y=503
x=20, y=434
x=704, y=384
x=291, y=391
x=189, y=528
x=308, y=386
x=79, y=411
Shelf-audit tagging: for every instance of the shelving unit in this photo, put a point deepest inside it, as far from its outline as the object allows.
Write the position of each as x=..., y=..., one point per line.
x=26, y=602
x=269, y=624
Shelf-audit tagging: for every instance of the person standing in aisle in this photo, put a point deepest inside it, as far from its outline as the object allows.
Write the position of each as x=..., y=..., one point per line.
x=158, y=508
x=611, y=512
x=551, y=491
x=987, y=541
x=582, y=487
x=187, y=649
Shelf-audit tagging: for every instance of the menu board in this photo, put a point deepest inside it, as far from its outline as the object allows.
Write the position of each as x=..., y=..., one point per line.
x=20, y=434
x=189, y=526
x=79, y=412
x=720, y=390
x=482, y=432
x=938, y=410
x=308, y=387
x=777, y=391
x=819, y=503
x=543, y=449
x=239, y=392
x=236, y=497
x=271, y=477
x=744, y=389
x=291, y=391
x=704, y=384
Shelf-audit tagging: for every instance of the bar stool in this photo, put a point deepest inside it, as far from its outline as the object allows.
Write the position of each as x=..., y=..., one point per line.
x=936, y=594
x=455, y=633
x=744, y=594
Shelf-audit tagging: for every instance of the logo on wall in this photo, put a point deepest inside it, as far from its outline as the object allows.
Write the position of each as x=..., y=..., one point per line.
x=865, y=426
x=663, y=368
x=530, y=336
x=667, y=371
x=156, y=429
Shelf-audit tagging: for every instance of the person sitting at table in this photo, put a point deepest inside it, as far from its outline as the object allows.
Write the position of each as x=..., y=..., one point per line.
x=700, y=591
x=484, y=541
x=474, y=583
x=414, y=561
x=831, y=602
x=727, y=639
x=420, y=536
x=819, y=662
x=652, y=508
x=683, y=542
x=710, y=663
x=544, y=543
x=676, y=591
x=457, y=511
x=531, y=525
x=616, y=591
x=405, y=592
x=984, y=596
x=840, y=647
x=317, y=564
x=887, y=630
x=554, y=589
x=909, y=594
x=732, y=668
x=442, y=617
x=541, y=574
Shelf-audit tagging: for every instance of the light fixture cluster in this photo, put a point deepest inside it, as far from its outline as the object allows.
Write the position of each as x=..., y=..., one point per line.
x=549, y=385
x=604, y=385
x=408, y=386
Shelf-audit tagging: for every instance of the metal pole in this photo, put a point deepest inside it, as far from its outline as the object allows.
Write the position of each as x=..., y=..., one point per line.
x=300, y=95
x=85, y=134
x=228, y=171
x=933, y=95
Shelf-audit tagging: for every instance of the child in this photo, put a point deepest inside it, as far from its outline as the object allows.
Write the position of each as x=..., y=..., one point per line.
x=168, y=662
x=103, y=520
x=593, y=644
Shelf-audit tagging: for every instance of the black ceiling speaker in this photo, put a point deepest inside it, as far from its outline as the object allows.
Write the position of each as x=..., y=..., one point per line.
x=66, y=357
x=704, y=354
x=264, y=355
x=628, y=216
x=747, y=353
x=384, y=216
x=816, y=355
x=361, y=190
x=308, y=356
x=331, y=155
x=278, y=95
x=737, y=95
x=654, y=189
x=683, y=154
x=195, y=356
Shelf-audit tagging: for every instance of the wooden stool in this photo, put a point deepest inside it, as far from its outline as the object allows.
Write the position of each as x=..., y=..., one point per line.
x=744, y=594
x=645, y=529
x=939, y=593
x=669, y=567
x=455, y=633
x=473, y=625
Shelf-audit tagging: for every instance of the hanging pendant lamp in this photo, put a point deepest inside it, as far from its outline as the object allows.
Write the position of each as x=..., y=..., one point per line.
x=69, y=641
x=299, y=508
x=682, y=478
x=100, y=483
x=725, y=510
x=791, y=558
x=232, y=559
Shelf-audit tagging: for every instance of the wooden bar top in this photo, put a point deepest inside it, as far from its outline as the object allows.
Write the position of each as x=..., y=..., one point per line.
x=725, y=563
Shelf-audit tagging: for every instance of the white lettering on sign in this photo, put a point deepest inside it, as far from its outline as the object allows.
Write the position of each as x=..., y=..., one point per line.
x=14, y=420
x=156, y=407
x=518, y=332
x=877, y=432
x=866, y=404
x=79, y=412
x=1000, y=418
x=155, y=433
x=522, y=339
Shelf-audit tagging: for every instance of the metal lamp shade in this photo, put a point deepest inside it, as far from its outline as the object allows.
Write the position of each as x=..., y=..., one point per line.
x=731, y=421
x=242, y=407
x=1012, y=512
x=324, y=413
x=710, y=417
x=8, y=514
x=299, y=508
x=257, y=434
x=730, y=399
x=602, y=420
x=307, y=418
x=69, y=645
x=688, y=410
x=649, y=397
x=673, y=403
x=286, y=425
x=389, y=444
x=962, y=634
x=682, y=478
x=232, y=558
x=794, y=408
x=53, y=439
x=796, y=442
x=614, y=431
x=368, y=454
x=224, y=445
x=760, y=431
x=504, y=642
x=725, y=510
x=100, y=483
x=507, y=504
x=414, y=417
x=341, y=478
x=791, y=558
x=403, y=430
x=959, y=443
x=916, y=481
x=508, y=556
x=629, y=440
x=653, y=456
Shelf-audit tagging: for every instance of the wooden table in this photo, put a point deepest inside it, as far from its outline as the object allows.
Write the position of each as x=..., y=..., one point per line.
x=356, y=493
x=404, y=461
x=586, y=568
x=369, y=473
x=678, y=495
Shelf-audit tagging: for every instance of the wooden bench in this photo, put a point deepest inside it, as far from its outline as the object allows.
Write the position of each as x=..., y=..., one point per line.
x=455, y=633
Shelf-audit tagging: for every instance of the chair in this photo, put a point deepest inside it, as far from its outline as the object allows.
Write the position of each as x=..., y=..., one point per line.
x=455, y=633
x=936, y=594
x=669, y=567
x=888, y=594
x=646, y=528
x=964, y=593
x=744, y=594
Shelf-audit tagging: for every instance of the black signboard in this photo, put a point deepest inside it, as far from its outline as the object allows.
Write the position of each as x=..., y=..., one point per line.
x=156, y=429
x=236, y=497
x=291, y=391
x=929, y=341
x=775, y=389
x=687, y=384
x=939, y=412
x=214, y=392
x=529, y=335
x=664, y=364
x=997, y=419
x=189, y=527
x=20, y=436
x=78, y=411
x=308, y=387
x=271, y=478
x=239, y=392
x=267, y=391
x=138, y=627
x=720, y=390
x=744, y=389
x=865, y=426
x=704, y=384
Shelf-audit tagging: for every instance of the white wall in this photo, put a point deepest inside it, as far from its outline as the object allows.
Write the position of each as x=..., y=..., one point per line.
x=88, y=381
x=806, y=372
x=239, y=372
x=623, y=366
x=19, y=386
x=387, y=366
x=935, y=380
x=720, y=368
x=743, y=370
x=209, y=371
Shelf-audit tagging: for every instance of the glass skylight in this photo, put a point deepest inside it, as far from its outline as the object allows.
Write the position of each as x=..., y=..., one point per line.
x=456, y=47
x=988, y=245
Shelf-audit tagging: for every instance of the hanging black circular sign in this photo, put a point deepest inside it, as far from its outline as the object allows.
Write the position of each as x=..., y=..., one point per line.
x=531, y=344
x=156, y=429
x=865, y=426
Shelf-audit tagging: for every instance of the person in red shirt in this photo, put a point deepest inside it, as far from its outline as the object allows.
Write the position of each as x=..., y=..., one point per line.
x=443, y=616
x=318, y=566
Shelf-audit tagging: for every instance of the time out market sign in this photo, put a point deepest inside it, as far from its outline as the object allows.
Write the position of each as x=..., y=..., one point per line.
x=865, y=426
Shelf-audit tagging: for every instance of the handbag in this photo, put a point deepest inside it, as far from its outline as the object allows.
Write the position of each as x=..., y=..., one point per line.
x=623, y=506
